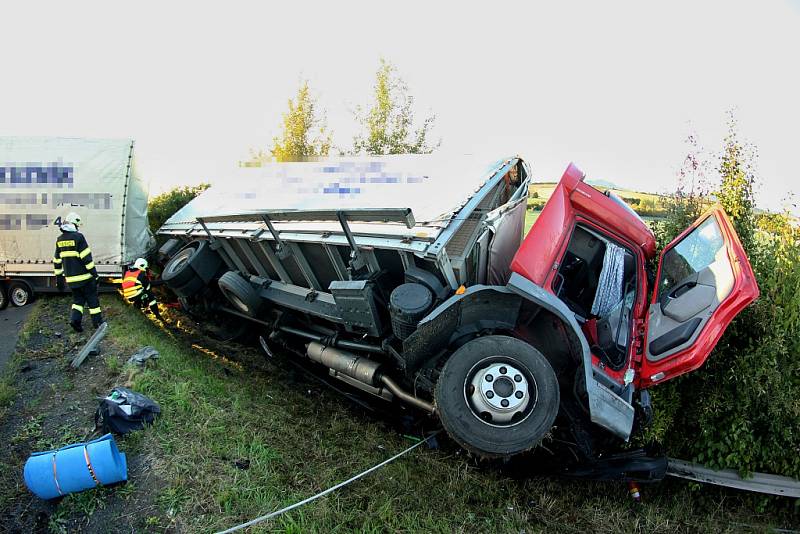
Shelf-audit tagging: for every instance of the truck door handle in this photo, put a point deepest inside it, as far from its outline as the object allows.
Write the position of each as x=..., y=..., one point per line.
x=681, y=289
x=676, y=292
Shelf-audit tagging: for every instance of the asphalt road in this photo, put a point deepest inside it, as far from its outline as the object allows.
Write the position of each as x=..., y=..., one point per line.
x=11, y=321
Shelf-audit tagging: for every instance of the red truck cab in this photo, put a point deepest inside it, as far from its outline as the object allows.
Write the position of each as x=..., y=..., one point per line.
x=587, y=244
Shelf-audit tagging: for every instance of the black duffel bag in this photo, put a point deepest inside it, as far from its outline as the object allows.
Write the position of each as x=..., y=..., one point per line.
x=124, y=411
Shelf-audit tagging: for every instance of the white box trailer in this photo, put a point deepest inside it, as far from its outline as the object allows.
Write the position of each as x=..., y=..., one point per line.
x=44, y=178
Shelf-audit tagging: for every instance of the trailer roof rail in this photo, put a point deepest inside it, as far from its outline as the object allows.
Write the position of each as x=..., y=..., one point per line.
x=384, y=215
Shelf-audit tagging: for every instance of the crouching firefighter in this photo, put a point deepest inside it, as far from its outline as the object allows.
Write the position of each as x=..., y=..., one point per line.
x=136, y=287
x=73, y=260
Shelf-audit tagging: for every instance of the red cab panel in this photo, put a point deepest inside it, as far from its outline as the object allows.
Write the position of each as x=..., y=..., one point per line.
x=542, y=247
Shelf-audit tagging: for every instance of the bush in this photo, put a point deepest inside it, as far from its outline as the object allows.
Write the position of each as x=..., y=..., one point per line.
x=741, y=410
x=162, y=207
x=536, y=204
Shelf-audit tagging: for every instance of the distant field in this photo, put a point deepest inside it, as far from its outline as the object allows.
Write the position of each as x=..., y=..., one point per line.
x=647, y=205
x=530, y=218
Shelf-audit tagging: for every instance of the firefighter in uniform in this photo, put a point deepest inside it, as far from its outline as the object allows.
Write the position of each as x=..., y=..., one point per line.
x=136, y=287
x=73, y=260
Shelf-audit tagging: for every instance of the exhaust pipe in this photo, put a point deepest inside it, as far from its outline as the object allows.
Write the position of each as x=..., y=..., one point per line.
x=406, y=397
x=362, y=369
x=347, y=363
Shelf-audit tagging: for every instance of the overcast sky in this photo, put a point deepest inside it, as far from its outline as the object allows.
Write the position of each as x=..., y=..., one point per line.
x=615, y=87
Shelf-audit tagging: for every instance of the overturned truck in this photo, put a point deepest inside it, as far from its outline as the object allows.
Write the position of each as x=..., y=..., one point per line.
x=408, y=278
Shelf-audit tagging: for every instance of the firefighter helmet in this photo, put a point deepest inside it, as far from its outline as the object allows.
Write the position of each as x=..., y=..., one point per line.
x=140, y=264
x=73, y=218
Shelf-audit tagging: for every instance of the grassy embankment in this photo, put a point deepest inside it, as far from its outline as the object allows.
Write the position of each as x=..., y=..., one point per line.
x=240, y=437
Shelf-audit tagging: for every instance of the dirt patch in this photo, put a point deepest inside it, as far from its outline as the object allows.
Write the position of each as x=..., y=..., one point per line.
x=54, y=406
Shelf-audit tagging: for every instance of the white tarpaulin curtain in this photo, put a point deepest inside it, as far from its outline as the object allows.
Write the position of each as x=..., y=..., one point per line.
x=609, y=287
x=432, y=186
x=44, y=178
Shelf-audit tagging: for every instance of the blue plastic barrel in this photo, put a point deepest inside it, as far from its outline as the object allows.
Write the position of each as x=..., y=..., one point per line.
x=75, y=468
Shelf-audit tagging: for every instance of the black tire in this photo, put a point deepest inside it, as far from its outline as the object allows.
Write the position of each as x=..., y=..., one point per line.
x=206, y=262
x=240, y=293
x=190, y=289
x=474, y=427
x=228, y=328
x=168, y=249
x=20, y=294
x=3, y=297
x=178, y=270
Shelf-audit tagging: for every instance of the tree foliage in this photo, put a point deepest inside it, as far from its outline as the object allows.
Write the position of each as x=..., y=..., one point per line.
x=388, y=124
x=741, y=410
x=738, y=177
x=304, y=132
x=163, y=206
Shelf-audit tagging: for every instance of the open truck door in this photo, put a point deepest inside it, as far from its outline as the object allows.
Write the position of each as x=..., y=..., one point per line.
x=704, y=280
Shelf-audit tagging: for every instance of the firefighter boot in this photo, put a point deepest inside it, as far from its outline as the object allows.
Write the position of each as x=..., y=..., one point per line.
x=97, y=319
x=154, y=310
x=76, y=318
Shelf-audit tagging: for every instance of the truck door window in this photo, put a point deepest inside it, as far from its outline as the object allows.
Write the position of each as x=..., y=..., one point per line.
x=694, y=253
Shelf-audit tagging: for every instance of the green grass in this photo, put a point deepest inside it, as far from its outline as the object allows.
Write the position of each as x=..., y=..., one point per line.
x=300, y=440
x=530, y=218
x=8, y=378
x=7, y=393
x=296, y=439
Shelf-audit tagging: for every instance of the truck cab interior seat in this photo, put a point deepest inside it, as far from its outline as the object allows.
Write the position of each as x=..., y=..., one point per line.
x=577, y=283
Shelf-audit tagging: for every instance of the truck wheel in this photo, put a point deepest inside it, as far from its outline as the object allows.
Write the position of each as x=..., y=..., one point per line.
x=178, y=271
x=3, y=297
x=190, y=289
x=497, y=396
x=168, y=250
x=19, y=293
x=240, y=293
x=228, y=328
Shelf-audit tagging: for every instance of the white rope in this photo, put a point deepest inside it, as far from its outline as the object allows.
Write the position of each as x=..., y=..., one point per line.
x=325, y=492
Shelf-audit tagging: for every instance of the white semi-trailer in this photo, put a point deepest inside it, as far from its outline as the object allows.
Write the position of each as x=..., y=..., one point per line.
x=44, y=178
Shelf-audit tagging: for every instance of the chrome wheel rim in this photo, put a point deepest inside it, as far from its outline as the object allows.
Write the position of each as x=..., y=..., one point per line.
x=19, y=296
x=180, y=261
x=500, y=391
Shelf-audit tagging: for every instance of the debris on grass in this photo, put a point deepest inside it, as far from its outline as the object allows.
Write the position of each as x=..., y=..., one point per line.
x=141, y=356
x=90, y=346
x=124, y=411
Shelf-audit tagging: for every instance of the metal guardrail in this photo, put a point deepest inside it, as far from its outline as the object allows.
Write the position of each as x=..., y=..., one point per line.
x=90, y=345
x=759, y=482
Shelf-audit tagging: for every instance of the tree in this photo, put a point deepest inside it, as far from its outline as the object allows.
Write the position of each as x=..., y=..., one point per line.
x=163, y=206
x=388, y=125
x=738, y=177
x=304, y=133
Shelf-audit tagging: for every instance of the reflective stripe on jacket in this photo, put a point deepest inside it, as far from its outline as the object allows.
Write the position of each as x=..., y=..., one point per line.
x=73, y=259
x=134, y=283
